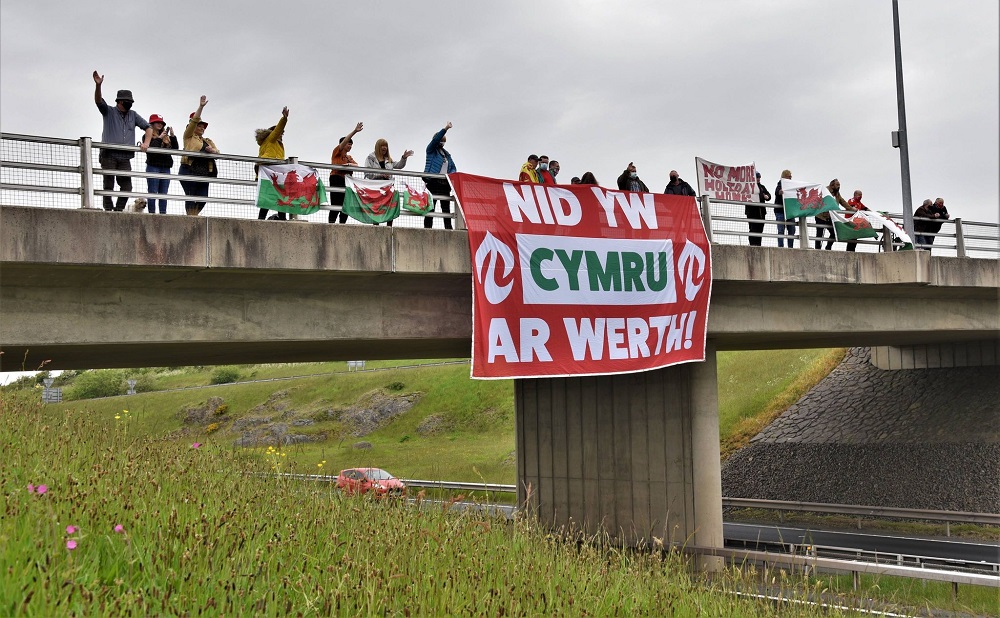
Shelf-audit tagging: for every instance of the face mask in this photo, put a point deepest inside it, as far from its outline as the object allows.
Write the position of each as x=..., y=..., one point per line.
x=633, y=175
x=543, y=166
x=554, y=171
x=673, y=179
x=127, y=105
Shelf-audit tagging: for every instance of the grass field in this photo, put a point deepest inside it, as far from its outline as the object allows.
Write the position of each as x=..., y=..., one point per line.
x=199, y=536
x=131, y=525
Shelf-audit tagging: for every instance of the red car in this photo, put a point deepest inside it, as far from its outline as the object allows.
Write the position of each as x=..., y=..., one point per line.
x=375, y=480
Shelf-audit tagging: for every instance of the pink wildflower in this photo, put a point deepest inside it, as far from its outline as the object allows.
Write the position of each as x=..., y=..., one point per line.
x=119, y=529
x=70, y=529
x=41, y=489
x=31, y=488
x=196, y=445
x=71, y=544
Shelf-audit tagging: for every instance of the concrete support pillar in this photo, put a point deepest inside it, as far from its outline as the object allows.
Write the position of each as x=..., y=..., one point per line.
x=707, y=458
x=634, y=457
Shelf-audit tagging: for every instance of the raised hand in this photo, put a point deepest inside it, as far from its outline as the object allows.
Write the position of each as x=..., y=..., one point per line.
x=98, y=79
x=203, y=100
x=408, y=153
x=359, y=127
x=448, y=126
x=284, y=111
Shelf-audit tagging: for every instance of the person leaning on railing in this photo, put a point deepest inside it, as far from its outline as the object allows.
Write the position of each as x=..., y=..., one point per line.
x=159, y=135
x=271, y=147
x=380, y=158
x=925, y=230
x=195, y=141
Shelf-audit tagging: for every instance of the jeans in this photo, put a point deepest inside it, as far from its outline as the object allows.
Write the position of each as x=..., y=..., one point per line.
x=109, y=162
x=193, y=189
x=785, y=229
x=924, y=240
x=437, y=186
x=157, y=185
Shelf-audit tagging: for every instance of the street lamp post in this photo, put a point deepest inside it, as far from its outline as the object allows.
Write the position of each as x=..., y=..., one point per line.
x=900, y=139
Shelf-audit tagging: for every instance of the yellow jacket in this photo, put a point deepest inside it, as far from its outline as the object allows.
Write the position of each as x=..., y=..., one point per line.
x=272, y=148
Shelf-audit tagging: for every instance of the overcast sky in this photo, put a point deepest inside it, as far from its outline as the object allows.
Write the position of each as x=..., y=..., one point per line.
x=804, y=85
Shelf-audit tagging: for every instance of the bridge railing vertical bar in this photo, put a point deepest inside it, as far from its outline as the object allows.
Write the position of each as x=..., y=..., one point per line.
x=959, y=237
x=86, y=173
x=804, y=232
x=706, y=216
x=886, y=240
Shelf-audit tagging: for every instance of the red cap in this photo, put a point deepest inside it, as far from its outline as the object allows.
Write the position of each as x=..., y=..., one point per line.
x=202, y=122
x=156, y=118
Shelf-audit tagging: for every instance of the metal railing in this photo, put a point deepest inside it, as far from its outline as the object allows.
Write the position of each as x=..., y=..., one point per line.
x=64, y=173
x=949, y=517
x=60, y=173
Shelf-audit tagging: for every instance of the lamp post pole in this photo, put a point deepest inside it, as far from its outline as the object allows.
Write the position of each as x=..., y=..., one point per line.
x=900, y=138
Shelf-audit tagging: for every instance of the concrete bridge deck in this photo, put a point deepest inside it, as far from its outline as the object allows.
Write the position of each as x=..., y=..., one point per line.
x=88, y=289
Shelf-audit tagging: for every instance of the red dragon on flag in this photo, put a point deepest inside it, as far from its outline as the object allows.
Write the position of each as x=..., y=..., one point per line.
x=811, y=198
x=295, y=189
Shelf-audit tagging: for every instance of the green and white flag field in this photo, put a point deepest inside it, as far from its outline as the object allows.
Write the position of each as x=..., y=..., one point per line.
x=415, y=200
x=806, y=199
x=866, y=224
x=370, y=201
x=295, y=189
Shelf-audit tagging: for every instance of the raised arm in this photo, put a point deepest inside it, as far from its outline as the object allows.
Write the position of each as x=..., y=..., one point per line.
x=193, y=122
x=98, y=98
x=436, y=140
x=398, y=165
x=357, y=129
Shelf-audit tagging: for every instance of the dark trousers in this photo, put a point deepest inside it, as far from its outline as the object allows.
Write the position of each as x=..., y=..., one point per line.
x=755, y=212
x=337, y=199
x=193, y=189
x=437, y=186
x=821, y=229
x=109, y=162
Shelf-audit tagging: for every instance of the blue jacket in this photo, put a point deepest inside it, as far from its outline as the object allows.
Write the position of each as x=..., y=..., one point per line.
x=436, y=155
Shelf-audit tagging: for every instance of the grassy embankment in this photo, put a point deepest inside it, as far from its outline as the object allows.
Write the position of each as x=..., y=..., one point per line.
x=474, y=440
x=134, y=525
x=131, y=524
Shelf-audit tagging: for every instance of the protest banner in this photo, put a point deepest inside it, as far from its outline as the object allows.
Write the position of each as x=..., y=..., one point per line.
x=727, y=182
x=573, y=280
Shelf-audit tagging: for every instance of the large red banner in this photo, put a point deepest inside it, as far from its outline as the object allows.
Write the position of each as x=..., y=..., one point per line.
x=575, y=280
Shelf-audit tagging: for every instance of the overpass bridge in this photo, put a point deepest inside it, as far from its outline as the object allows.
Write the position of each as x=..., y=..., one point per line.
x=635, y=456
x=85, y=289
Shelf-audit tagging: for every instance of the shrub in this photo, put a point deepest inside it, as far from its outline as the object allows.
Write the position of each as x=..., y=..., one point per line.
x=395, y=386
x=225, y=375
x=98, y=383
x=211, y=427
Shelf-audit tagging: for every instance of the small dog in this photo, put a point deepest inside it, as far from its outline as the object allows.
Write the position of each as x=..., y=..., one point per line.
x=139, y=205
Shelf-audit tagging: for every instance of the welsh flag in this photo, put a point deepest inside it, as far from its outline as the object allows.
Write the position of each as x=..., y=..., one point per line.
x=867, y=224
x=806, y=199
x=370, y=201
x=295, y=189
x=415, y=200
x=853, y=227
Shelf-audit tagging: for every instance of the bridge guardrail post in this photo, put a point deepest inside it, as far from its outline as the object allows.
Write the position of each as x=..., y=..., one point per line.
x=459, y=219
x=886, y=240
x=706, y=215
x=291, y=161
x=804, y=232
x=959, y=238
x=86, y=173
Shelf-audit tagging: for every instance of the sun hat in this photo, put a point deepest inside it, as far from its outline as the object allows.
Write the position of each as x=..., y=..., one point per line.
x=156, y=118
